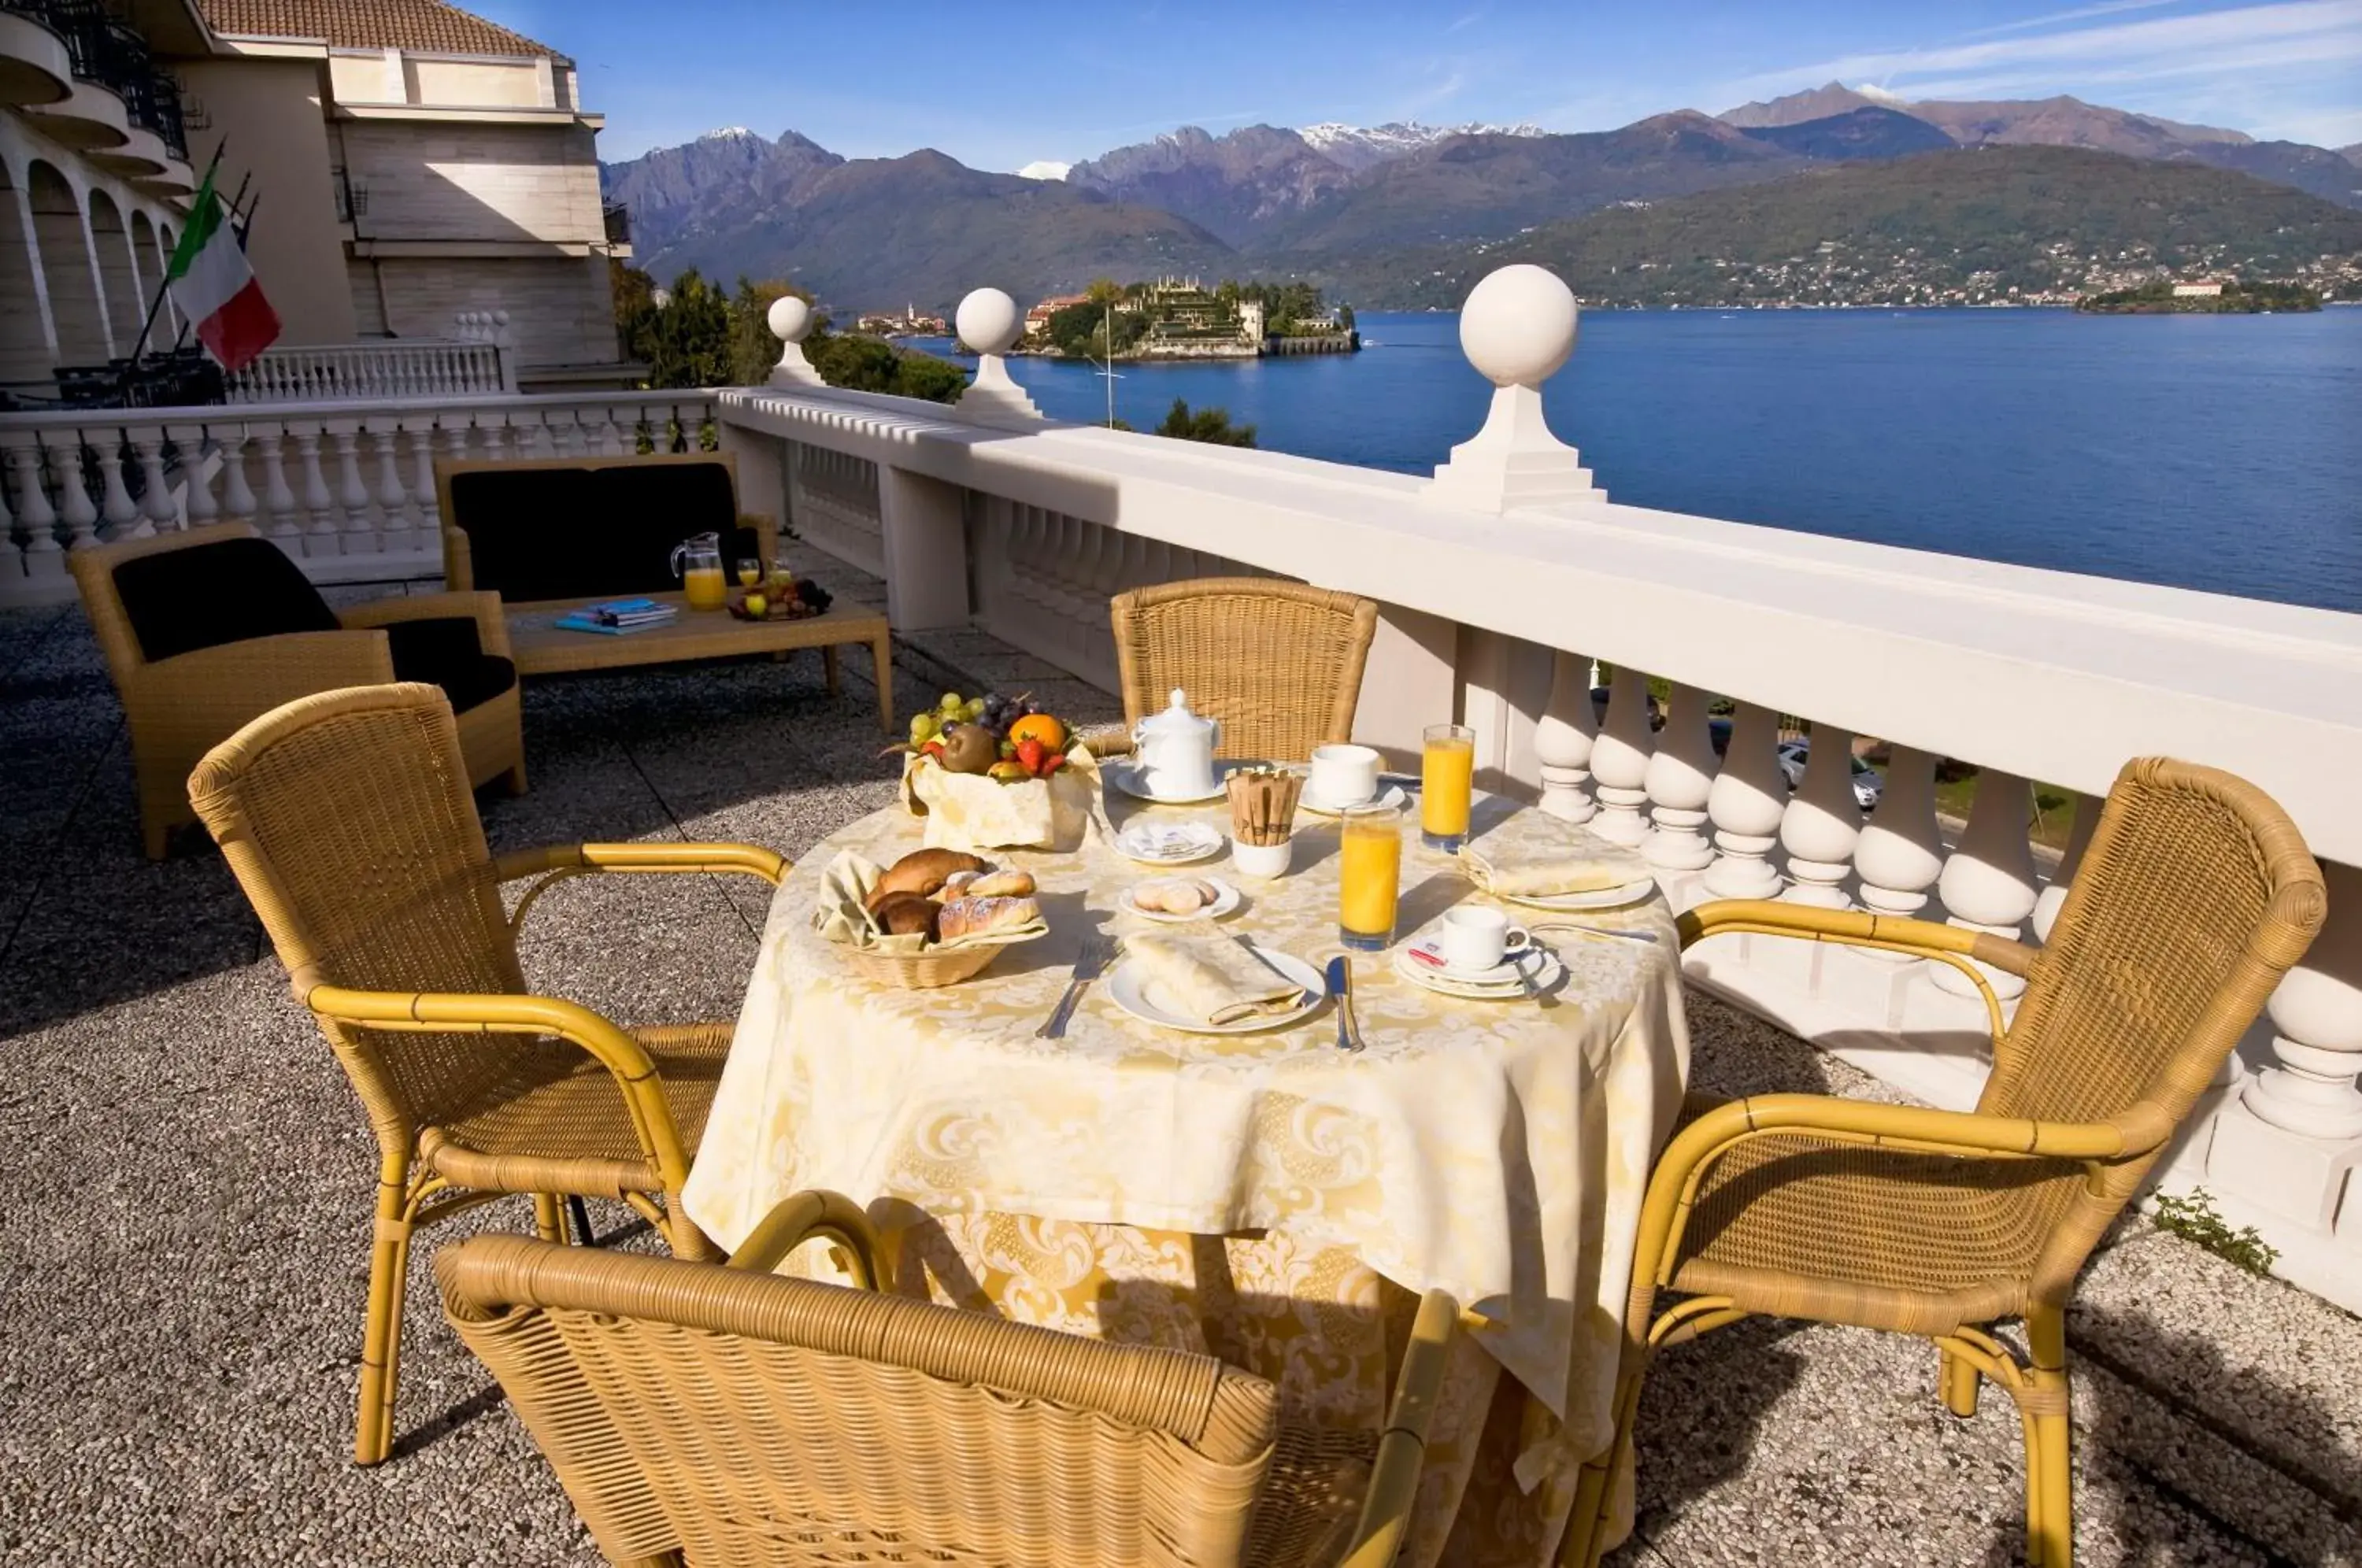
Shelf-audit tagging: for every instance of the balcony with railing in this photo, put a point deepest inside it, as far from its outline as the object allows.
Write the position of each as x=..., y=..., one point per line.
x=618, y=217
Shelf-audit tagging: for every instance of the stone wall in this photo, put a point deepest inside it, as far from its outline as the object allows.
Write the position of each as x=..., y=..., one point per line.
x=561, y=311
x=439, y=181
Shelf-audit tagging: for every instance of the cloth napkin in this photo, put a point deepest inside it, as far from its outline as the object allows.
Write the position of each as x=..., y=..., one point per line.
x=1211, y=977
x=1532, y=867
x=840, y=913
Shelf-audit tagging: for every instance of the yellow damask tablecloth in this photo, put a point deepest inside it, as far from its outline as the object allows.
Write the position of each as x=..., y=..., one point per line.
x=1264, y=1196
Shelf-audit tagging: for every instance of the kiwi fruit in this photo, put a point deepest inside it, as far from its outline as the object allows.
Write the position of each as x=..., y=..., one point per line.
x=970, y=749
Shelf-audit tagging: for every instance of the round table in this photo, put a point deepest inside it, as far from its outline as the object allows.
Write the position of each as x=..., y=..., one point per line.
x=1264, y=1196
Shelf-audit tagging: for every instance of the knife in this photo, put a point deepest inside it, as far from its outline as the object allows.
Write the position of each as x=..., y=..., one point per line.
x=1340, y=986
x=1096, y=954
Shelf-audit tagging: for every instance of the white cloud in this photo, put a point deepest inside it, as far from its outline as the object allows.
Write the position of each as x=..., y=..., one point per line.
x=2028, y=23
x=1044, y=169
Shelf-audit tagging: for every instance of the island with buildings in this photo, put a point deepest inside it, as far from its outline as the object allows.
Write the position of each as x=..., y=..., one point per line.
x=2201, y=296
x=1184, y=319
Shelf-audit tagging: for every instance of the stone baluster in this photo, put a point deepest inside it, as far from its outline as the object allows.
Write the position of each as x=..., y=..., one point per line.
x=120, y=513
x=278, y=495
x=196, y=487
x=600, y=438
x=319, y=500
x=237, y=496
x=358, y=536
x=1680, y=781
x=2079, y=839
x=1563, y=738
x=76, y=507
x=1902, y=851
x=156, y=506
x=1619, y=760
x=428, y=505
x=544, y=443
x=1988, y=883
x=36, y=517
x=398, y=531
x=565, y=432
x=1822, y=822
x=1746, y=804
x=454, y=440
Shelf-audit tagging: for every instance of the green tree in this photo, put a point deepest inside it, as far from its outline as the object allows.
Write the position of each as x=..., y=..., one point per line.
x=686, y=340
x=752, y=348
x=1211, y=426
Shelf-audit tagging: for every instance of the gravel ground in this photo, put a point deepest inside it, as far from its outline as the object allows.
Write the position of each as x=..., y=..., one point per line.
x=184, y=1206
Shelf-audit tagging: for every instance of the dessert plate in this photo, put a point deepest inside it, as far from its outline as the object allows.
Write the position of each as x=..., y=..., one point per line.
x=1168, y=843
x=1226, y=899
x=1597, y=899
x=1145, y=1000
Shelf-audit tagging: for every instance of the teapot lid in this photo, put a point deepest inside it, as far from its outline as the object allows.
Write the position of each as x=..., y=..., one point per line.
x=1175, y=720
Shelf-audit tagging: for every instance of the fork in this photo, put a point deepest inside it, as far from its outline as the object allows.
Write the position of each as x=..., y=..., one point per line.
x=1088, y=965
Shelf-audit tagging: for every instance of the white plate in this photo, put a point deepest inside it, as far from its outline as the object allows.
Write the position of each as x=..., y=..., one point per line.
x=1226, y=899
x=1123, y=984
x=1597, y=898
x=1169, y=844
x=1124, y=775
x=1545, y=972
x=1391, y=796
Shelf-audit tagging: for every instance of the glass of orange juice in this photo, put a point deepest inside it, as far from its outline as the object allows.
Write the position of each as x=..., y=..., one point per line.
x=1447, y=772
x=750, y=572
x=1369, y=875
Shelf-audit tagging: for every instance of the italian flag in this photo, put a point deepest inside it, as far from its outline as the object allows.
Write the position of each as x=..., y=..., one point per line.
x=213, y=287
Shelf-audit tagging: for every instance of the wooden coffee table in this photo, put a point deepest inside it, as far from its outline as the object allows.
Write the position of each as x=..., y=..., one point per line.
x=541, y=647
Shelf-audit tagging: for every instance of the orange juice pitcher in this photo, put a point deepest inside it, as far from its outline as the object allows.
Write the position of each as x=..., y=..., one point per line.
x=696, y=561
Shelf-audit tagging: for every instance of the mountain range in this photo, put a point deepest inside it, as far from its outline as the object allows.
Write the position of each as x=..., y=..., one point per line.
x=1332, y=201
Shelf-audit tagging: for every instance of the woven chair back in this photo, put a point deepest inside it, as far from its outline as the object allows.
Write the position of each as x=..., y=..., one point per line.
x=744, y=1418
x=93, y=572
x=1278, y=663
x=348, y=819
x=2194, y=896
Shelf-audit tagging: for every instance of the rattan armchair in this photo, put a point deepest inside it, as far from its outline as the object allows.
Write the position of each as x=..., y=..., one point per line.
x=724, y=1415
x=2195, y=895
x=1278, y=663
x=347, y=820
x=181, y=705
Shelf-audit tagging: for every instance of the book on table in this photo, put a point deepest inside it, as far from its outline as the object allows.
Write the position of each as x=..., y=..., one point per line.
x=617, y=616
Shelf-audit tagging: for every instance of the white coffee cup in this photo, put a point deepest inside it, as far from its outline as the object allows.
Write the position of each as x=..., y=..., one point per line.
x=1476, y=937
x=1343, y=775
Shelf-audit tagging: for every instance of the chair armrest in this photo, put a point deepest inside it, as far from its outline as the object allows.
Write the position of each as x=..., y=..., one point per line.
x=480, y=606
x=1402, y=1446
x=432, y=1012
x=815, y=1212
x=232, y=682
x=1854, y=928
x=553, y=863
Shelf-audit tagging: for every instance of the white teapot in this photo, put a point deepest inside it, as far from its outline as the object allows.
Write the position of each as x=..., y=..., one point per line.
x=1173, y=752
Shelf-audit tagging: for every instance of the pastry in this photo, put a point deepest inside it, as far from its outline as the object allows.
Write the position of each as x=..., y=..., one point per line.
x=997, y=885
x=905, y=915
x=1174, y=895
x=958, y=883
x=925, y=871
x=976, y=917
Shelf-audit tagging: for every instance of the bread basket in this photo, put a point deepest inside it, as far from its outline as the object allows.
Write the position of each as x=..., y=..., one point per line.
x=928, y=968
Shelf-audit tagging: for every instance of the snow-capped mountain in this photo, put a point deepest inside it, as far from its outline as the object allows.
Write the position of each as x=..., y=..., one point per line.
x=1044, y=169
x=1359, y=147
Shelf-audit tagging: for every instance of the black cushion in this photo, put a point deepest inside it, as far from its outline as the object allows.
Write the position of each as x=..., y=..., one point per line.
x=535, y=532
x=225, y=592
x=445, y=650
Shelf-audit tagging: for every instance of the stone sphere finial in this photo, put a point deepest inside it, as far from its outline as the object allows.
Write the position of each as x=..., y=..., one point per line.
x=989, y=321
x=789, y=318
x=499, y=318
x=1517, y=325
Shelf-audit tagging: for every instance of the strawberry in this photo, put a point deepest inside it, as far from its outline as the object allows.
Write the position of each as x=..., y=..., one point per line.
x=1055, y=760
x=935, y=748
x=1031, y=754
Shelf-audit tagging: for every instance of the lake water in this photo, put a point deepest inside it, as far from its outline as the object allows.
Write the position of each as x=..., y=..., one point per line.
x=2213, y=452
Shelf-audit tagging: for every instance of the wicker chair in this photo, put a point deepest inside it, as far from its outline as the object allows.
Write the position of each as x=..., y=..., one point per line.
x=1278, y=663
x=347, y=820
x=183, y=703
x=705, y=1415
x=2195, y=895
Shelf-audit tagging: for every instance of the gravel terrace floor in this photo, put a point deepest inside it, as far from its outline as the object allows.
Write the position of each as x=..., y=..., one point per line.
x=184, y=1202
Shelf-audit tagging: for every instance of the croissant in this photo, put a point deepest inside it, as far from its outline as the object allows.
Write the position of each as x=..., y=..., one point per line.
x=925, y=871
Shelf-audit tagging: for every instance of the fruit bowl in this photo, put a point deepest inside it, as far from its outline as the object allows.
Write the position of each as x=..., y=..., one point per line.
x=975, y=811
x=783, y=599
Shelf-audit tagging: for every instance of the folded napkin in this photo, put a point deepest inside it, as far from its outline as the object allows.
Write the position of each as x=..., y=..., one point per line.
x=1211, y=977
x=840, y=913
x=1530, y=867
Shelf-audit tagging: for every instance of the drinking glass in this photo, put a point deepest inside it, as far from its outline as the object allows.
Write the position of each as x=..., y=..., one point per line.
x=750, y=572
x=1369, y=875
x=1446, y=774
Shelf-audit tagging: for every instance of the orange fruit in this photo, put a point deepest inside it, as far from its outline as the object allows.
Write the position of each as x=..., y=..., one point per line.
x=1041, y=727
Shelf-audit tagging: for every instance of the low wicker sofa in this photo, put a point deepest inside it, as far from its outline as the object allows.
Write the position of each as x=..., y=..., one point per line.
x=207, y=628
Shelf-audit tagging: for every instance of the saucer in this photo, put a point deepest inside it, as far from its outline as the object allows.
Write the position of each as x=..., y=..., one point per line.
x=1125, y=775
x=1506, y=973
x=1392, y=795
x=1168, y=843
x=1531, y=976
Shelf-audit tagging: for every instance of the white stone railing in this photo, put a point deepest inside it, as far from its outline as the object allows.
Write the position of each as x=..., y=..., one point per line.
x=1502, y=582
x=346, y=488
x=391, y=369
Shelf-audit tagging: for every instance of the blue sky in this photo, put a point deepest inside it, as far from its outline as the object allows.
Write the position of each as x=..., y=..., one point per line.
x=882, y=77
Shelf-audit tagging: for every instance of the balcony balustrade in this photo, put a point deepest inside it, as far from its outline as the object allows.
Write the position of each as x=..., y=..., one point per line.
x=1504, y=583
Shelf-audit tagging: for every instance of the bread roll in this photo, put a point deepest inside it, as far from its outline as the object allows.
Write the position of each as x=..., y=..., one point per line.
x=998, y=885
x=958, y=883
x=903, y=915
x=925, y=871
x=974, y=917
x=1174, y=895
